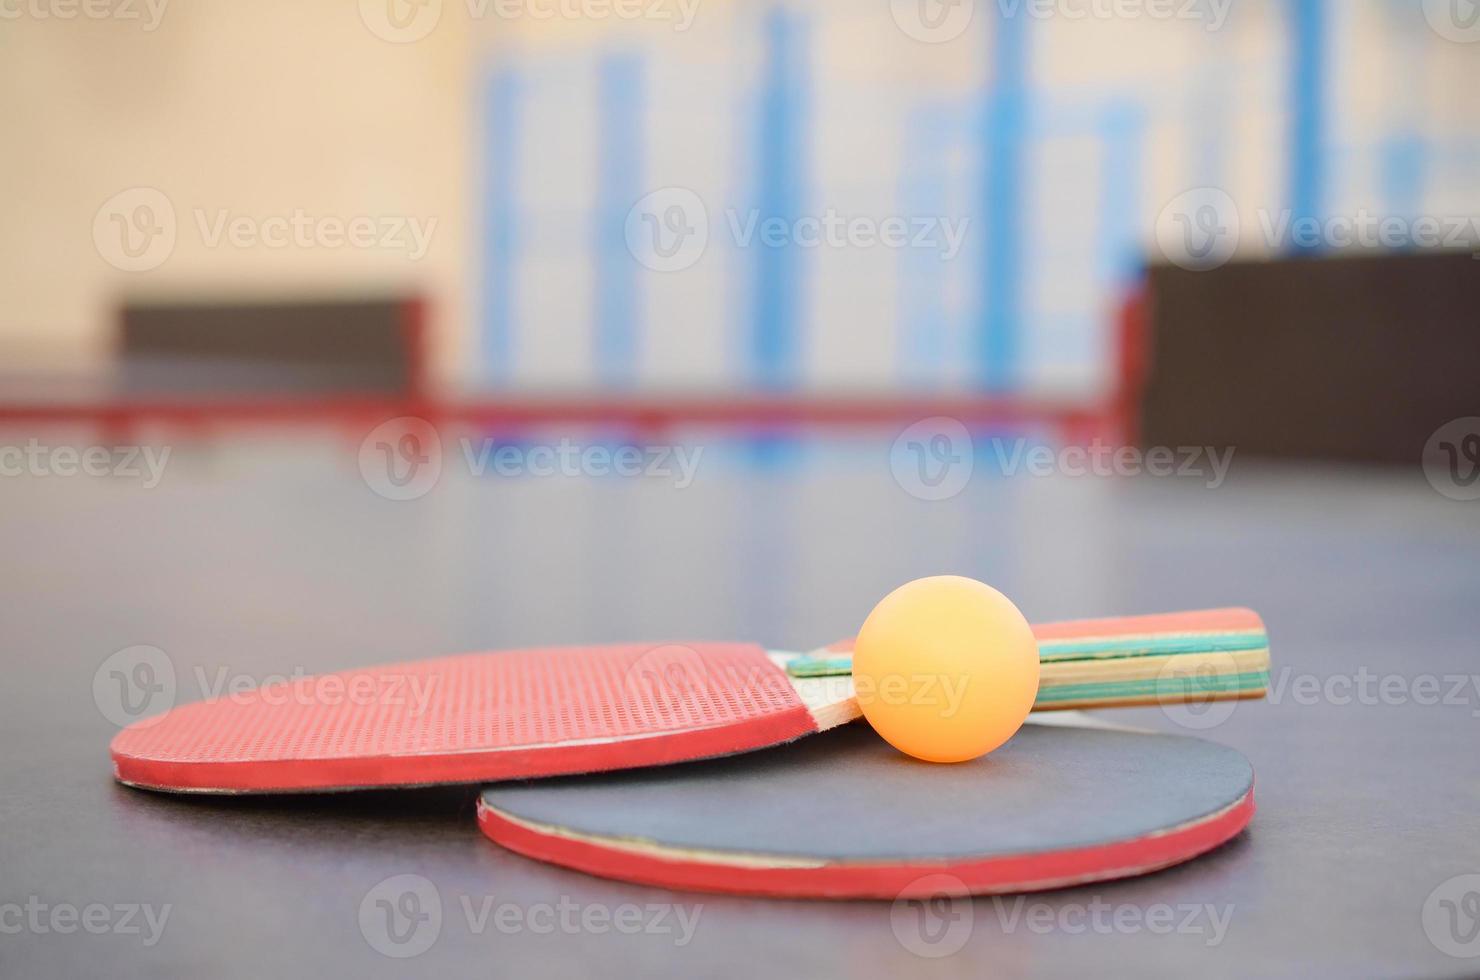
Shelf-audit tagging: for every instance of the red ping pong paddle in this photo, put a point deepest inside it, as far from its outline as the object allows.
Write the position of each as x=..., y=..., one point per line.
x=525, y=713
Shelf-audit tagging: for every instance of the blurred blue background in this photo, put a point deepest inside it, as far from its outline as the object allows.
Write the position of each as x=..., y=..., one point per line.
x=1062, y=138
x=622, y=196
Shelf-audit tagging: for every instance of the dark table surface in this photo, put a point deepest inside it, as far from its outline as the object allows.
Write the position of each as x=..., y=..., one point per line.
x=250, y=560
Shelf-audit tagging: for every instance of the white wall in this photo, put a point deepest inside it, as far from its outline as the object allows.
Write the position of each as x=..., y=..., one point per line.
x=258, y=108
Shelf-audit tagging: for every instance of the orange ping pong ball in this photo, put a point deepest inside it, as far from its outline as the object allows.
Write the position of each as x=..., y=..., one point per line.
x=946, y=668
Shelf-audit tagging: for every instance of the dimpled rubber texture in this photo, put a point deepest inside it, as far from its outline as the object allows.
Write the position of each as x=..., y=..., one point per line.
x=844, y=815
x=470, y=718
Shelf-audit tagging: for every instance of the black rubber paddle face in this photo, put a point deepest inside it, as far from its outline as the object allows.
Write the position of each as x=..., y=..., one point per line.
x=1115, y=802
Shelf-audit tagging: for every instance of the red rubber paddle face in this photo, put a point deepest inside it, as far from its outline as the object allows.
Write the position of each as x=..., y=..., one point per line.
x=471, y=718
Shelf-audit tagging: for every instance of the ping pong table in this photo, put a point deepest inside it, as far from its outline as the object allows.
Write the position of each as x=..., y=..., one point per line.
x=255, y=560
